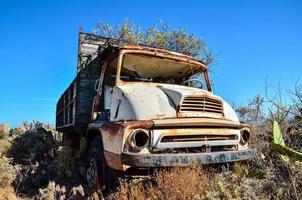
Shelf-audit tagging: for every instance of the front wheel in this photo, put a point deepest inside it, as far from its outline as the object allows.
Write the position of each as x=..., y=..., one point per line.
x=98, y=175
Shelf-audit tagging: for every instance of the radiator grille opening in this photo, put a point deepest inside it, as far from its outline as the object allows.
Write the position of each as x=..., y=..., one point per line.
x=194, y=138
x=196, y=149
x=201, y=104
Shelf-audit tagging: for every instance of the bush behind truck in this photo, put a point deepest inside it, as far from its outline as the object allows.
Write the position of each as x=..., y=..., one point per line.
x=141, y=107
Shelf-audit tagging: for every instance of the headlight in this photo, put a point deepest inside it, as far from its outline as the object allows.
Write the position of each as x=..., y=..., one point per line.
x=245, y=135
x=139, y=139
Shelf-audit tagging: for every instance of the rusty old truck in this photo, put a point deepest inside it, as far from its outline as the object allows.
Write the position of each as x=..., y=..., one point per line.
x=140, y=108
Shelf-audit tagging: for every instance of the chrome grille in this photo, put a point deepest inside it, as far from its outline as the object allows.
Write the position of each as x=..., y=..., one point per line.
x=201, y=104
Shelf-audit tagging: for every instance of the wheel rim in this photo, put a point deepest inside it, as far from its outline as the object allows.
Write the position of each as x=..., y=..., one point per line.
x=92, y=174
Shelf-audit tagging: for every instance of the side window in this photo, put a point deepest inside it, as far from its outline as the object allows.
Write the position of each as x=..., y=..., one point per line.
x=102, y=101
x=108, y=84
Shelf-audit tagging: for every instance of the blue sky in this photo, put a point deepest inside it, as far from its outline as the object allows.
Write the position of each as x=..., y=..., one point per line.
x=38, y=45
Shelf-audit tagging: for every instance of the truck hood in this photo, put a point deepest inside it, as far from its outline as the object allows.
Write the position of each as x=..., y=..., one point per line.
x=144, y=101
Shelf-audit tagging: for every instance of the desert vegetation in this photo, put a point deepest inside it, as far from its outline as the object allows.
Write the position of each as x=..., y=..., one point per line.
x=34, y=164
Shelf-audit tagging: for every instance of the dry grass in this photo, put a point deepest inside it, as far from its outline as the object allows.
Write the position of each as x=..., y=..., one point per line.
x=193, y=183
x=246, y=181
x=8, y=174
x=177, y=183
x=7, y=193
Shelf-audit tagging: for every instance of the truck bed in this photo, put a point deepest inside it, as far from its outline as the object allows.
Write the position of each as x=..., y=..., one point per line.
x=75, y=104
x=73, y=111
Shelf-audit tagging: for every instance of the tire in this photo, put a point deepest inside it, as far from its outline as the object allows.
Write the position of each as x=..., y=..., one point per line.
x=98, y=175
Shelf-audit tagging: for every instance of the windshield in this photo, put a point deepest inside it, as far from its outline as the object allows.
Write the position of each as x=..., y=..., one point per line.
x=145, y=68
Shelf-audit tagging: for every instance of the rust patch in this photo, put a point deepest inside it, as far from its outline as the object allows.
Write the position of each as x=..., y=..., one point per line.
x=166, y=53
x=244, y=125
x=111, y=128
x=197, y=122
x=138, y=124
x=113, y=160
x=114, y=128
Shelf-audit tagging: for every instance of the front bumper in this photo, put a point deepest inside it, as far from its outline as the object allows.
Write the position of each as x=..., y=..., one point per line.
x=185, y=159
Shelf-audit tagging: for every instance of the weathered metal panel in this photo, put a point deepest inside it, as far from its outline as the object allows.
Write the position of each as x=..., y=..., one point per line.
x=88, y=48
x=185, y=159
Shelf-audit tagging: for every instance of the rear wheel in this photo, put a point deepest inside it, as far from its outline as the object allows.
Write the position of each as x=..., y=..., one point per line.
x=98, y=175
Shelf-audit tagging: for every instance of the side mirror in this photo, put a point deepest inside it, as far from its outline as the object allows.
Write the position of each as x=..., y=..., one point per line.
x=97, y=84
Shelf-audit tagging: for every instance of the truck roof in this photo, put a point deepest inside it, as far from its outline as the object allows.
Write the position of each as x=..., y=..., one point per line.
x=91, y=46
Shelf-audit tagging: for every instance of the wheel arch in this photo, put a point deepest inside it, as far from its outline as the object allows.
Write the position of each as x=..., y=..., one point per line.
x=92, y=133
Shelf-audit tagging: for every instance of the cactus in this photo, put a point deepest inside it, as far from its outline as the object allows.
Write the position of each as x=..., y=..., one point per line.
x=278, y=145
